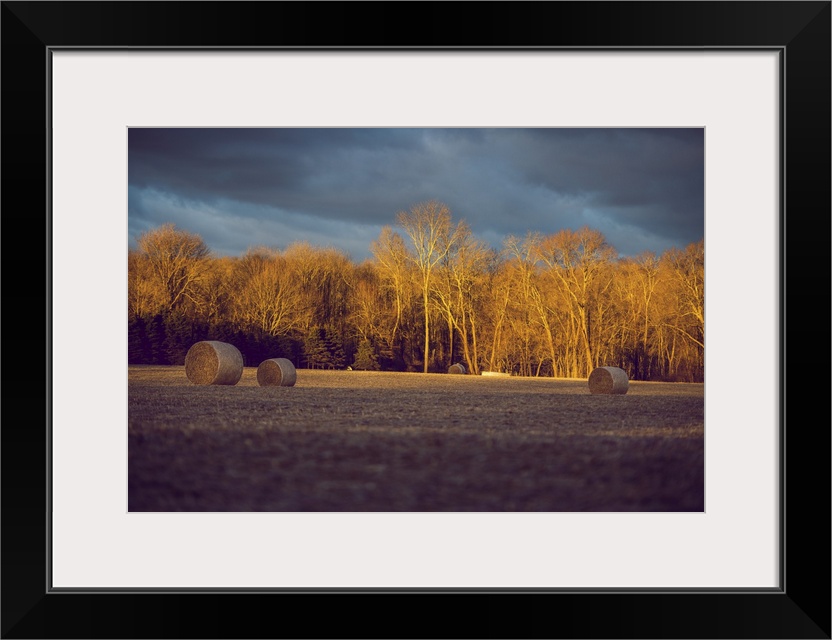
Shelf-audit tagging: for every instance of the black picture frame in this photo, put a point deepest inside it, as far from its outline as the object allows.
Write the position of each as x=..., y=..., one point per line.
x=800, y=608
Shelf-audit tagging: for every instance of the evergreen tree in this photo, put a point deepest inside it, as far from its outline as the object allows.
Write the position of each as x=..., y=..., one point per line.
x=366, y=358
x=335, y=349
x=138, y=346
x=288, y=347
x=180, y=335
x=157, y=337
x=314, y=349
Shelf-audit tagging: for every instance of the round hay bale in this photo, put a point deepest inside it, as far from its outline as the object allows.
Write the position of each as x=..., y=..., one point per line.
x=609, y=380
x=276, y=372
x=214, y=362
x=457, y=368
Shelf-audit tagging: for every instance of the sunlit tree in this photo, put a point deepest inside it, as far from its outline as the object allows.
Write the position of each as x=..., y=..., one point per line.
x=177, y=260
x=684, y=310
x=145, y=295
x=433, y=235
x=544, y=305
x=266, y=295
x=576, y=261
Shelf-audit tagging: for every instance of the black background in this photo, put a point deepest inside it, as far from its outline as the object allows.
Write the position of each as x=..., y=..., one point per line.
x=800, y=609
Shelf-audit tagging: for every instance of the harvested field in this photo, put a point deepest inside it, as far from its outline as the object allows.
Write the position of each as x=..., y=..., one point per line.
x=412, y=442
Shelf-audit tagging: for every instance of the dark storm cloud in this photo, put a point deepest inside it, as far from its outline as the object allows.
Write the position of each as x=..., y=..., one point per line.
x=643, y=188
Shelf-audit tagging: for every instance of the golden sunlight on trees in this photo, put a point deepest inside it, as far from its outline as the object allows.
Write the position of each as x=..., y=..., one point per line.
x=433, y=234
x=176, y=261
x=634, y=292
x=145, y=296
x=575, y=262
x=557, y=305
x=530, y=318
x=458, y=290
x=496, y=294
x=685, y=300
x=267, y=296
x=394, y=263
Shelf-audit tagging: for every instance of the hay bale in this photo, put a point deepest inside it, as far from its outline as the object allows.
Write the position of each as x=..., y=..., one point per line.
x=457, y=368
x=609, y=380
x=276, y=372
x=496, y=374
x=214, y=362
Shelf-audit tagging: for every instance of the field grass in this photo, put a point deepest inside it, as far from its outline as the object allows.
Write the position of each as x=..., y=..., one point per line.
x=411, y=442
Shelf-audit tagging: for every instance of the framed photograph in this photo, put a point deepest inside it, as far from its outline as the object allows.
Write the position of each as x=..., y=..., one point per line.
x=755, y=76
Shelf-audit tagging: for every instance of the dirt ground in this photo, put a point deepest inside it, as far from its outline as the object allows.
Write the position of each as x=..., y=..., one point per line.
x=411, y=442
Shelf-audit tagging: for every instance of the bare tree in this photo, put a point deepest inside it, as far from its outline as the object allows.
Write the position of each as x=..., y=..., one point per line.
x=468, y=270
x=364, y=301
x=393, y=259
x=266, y=293
x=433, y=234
x=145, y=296
x=576, y=260
x=532, y=298
x=457, y=291
x=177, y=260
x=498, y=292
x=215, y=291
x=685, y=313
x=634, y=291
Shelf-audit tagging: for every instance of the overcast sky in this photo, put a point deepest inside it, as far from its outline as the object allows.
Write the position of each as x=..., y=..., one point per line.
x=337, y=187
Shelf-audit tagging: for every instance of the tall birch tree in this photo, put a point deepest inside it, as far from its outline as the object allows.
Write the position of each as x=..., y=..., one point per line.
x=433, y=234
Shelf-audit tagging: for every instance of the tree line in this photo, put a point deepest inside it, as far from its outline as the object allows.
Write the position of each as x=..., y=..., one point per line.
x=431, y=296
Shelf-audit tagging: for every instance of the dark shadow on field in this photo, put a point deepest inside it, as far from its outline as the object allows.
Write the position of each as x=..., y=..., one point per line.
x=388, y=442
